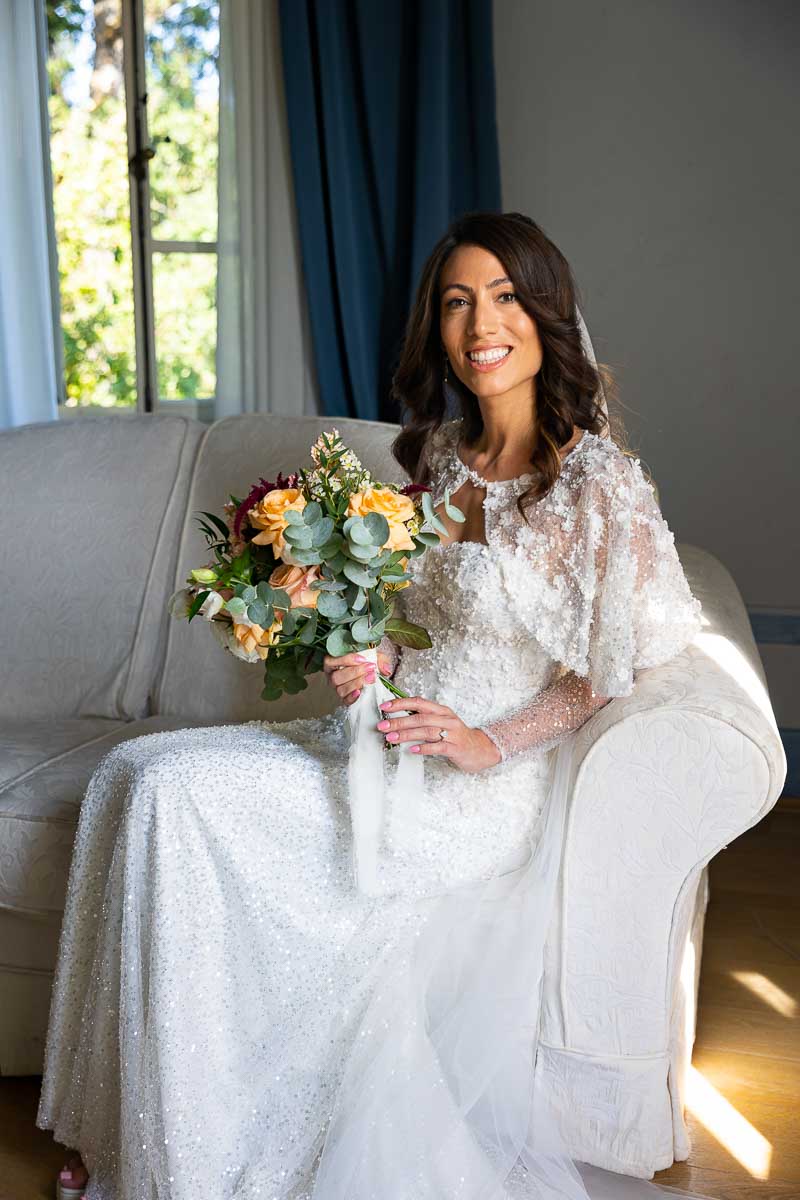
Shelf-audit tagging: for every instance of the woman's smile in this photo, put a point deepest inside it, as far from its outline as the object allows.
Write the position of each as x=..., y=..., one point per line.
x=489, y=359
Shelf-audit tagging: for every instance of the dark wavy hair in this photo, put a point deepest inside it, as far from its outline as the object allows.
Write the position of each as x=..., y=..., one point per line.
x=568, y=386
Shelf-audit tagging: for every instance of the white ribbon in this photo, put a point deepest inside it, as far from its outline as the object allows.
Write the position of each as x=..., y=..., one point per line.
x=367, y=782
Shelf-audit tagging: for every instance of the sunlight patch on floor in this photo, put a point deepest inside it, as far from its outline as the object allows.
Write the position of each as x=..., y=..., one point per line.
x=724, y=1122
x=767, y=991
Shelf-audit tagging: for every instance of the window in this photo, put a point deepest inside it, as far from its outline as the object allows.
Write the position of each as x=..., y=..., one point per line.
x=134, y=116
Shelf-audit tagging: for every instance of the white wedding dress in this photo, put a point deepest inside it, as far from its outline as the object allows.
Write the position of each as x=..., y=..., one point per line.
x=232, y=1018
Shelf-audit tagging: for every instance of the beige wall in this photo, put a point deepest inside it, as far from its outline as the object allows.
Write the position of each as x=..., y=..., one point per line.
x=656, y=142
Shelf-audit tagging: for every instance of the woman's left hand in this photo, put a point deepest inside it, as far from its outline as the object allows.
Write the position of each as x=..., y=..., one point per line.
x=468, y=748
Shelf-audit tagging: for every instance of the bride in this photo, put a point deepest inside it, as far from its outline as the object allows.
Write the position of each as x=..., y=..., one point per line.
x=231, y=1016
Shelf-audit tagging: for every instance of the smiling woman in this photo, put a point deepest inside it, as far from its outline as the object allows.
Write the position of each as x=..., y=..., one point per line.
x=496, y=316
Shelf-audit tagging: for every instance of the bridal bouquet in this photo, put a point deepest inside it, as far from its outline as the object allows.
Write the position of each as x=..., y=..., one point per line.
x=310, y=565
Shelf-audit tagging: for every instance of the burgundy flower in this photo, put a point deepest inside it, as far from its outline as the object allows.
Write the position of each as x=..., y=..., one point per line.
x=411, y=489
x=258, y=492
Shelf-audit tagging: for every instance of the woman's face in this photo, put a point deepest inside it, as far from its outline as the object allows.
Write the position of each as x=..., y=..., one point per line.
x=479, y=311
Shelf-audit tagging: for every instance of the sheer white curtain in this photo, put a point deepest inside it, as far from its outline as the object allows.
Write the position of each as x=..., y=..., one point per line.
x=264, y=350
x=28, y=287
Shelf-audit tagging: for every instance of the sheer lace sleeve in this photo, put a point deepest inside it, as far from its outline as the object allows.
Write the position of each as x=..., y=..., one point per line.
x=604, y=592
x=546, y=720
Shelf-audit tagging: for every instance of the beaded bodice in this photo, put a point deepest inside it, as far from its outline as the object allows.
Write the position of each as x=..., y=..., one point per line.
x=589, y=584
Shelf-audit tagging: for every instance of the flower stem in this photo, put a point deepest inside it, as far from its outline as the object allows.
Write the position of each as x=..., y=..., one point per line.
x=393, y=688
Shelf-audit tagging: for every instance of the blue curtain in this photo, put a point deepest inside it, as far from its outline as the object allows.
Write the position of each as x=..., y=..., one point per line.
x=391, y=111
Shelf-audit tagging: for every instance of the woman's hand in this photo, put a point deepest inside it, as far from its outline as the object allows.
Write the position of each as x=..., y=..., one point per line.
x=348, y=673
x=470, y=749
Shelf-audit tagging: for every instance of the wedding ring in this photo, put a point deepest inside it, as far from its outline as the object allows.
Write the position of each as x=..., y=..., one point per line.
x=443, y=734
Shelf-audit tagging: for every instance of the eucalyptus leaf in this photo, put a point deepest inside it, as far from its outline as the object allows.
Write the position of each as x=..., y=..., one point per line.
x=305, y=558
x=359, y=533
x=359, y=630
x=302, y=611
x=248, y=594
x=331, y=605
x=292, y=517
x=338, y=642
x=328, y=585
x=321, y=532
x=363, y=554
x=358, y=575
x=308, y=631
x=298, y=535
x=236, y=607
x=312, y=512
x=377, y=607
x=377, y=526
x=257, y=612
x=289, y=622
x=331, y=549
x=280, y=599
x=453, y=512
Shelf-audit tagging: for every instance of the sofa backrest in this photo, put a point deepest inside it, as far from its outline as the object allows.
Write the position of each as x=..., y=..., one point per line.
x=199, y=679
x=91, y=513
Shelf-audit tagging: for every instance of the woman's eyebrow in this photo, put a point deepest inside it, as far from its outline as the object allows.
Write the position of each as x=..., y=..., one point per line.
x=465, y=288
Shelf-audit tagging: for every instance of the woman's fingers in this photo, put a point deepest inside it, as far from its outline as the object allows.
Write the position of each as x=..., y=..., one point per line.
x=418, y=732
x=332, y=661
x=418, y=704
x=348, y=673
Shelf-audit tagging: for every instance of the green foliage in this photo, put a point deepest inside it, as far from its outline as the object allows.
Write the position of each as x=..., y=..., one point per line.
x=355, y=592
x=89, y=155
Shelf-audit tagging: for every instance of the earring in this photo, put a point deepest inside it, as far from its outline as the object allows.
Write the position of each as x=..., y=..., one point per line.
x=446, y=368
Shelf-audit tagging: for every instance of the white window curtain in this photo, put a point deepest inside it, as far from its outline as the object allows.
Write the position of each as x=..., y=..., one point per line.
x=264, y=349
x=28, y=279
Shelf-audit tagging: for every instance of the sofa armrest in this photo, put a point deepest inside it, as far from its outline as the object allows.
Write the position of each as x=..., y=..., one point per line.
x=663, y=780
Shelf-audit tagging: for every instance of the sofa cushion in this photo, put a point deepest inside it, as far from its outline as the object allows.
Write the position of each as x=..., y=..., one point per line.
x=199, y=678
x=92, y=510
x=45, y=766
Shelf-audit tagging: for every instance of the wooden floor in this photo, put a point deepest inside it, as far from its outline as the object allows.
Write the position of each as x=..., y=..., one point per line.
x=745, y=1100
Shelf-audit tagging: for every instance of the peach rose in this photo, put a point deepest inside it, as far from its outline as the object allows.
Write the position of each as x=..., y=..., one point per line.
x=268, y=516
x=297, y=582
x=255, y=640
x=396, y=508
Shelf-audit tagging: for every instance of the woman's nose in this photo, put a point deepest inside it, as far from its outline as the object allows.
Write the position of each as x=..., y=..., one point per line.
x=484, y=319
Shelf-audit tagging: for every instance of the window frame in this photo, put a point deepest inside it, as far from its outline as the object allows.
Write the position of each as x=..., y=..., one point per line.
x=143, y=245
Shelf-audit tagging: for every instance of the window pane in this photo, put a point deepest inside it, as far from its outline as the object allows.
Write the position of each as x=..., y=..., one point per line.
x=181, y=50
x=88, y=147
x=184, y=287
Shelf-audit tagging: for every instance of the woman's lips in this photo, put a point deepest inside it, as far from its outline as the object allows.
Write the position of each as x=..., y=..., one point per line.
x=490, y=366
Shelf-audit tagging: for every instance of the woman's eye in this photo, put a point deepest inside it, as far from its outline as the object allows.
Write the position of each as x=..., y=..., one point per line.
x=455, y=300
x=513, y=295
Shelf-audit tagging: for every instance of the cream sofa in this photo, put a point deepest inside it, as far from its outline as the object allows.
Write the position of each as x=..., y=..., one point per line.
x=98, y=530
